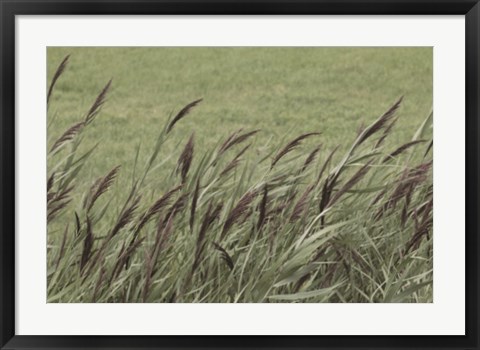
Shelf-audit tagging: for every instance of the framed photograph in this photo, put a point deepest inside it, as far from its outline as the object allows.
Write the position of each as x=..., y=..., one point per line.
x=230, y=174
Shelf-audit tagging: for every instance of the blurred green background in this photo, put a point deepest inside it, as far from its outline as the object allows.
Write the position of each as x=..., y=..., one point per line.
x=282, y=91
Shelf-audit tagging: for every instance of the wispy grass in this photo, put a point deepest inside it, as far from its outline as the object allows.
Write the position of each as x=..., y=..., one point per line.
x=242, y=221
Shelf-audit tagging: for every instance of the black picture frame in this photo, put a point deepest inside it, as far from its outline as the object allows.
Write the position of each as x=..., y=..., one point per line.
x=10, y=8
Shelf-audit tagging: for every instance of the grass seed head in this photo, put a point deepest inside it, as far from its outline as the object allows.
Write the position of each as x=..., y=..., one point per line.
x=183, y=112
x=290, y=147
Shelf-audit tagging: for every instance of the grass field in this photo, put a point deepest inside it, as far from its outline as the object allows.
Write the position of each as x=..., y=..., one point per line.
x=282, y=91
x=331, y=200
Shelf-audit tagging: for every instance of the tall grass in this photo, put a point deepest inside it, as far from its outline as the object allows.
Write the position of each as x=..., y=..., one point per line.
x=241, y=223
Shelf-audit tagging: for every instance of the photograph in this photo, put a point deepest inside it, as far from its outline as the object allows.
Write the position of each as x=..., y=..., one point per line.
x=262, y=174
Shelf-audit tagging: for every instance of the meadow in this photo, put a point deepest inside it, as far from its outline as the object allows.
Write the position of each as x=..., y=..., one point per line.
x=240, y=175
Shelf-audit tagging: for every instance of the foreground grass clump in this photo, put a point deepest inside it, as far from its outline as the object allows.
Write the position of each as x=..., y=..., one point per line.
x=242, y=222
